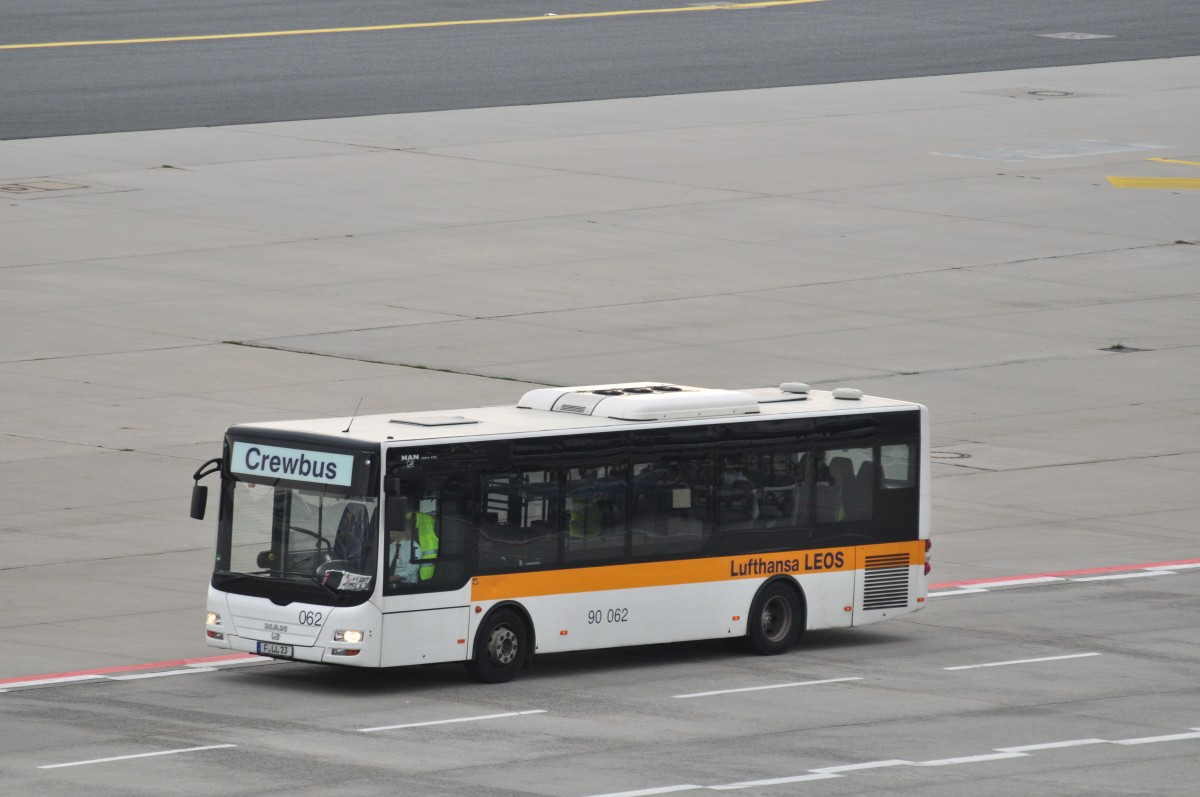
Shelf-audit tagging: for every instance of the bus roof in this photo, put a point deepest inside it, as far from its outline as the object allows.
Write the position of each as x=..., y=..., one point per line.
x=587, y=408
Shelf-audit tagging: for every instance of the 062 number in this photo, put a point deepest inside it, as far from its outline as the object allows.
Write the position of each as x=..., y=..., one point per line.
x=596, y=616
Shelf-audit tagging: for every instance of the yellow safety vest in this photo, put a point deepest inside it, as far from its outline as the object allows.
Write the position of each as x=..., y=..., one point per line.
x=427, y=539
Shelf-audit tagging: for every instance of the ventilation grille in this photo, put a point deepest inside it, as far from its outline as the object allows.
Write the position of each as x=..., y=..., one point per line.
x=573, y=408
x=885, y=584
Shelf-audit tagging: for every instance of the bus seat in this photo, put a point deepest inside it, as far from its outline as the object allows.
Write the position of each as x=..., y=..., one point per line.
x=351, y=538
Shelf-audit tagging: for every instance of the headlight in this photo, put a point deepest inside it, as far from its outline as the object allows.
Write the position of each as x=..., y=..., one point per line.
x=353, y=637
x=212, y=618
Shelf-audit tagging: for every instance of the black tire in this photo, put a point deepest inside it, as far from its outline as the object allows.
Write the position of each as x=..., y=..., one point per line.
x=501, y=648
x=776, y=620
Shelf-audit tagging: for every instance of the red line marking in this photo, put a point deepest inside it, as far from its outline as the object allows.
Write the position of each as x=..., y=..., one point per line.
x=1063, y=573
x=941, y=585
x=129, y=668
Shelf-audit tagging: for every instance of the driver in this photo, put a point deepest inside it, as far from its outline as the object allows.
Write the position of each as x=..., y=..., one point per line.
x=408, y=547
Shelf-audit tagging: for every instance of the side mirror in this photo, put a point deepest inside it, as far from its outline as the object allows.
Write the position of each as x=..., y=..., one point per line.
x=199, y=501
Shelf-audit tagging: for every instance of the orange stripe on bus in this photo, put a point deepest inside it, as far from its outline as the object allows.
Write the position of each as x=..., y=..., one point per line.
x=685, y=571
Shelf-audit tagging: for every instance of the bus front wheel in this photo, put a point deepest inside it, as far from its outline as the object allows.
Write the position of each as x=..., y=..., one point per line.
x=776, y=620
x=501, y=648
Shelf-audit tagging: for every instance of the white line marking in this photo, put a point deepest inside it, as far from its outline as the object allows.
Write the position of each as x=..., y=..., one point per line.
x=1175, y=567
x=750, y=784
x=759, y=688
x=643, y=792
x=231, y=662
x=139, y=755
x=826, y=773
x=1029, y=748
x=891, y=762
x=1174, y=737
x=1021, y=582
x=974, y=591
x=141, y=675
x=448, y=722
x=66, y=679
x=970, y=759
x=1020, y=661
x=1119, y=576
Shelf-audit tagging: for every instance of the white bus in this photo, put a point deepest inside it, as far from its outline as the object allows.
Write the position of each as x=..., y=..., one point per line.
x=582, y=517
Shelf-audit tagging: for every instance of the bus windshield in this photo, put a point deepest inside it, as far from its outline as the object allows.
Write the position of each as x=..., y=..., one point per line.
x=310, y=534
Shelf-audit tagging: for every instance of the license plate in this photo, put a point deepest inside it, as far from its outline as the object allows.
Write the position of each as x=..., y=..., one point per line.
x=274, y=649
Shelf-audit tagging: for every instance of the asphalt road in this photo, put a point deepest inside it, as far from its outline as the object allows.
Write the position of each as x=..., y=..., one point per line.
x=1077, y=687
x=515, y=53
x=1017, y=250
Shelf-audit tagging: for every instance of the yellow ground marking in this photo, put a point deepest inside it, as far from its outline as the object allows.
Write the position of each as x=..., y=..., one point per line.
x=1169, y=183
x=409, y=25
x=1169, y=160
x=1166, y=183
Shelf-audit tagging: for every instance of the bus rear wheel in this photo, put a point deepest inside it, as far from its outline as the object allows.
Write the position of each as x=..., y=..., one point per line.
x=776, y=620
x=501, y=648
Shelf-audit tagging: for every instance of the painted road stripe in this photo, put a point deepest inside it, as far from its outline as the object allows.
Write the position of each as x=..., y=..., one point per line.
x=1031, y=748
x=140, y=675
x=646, y=792
x=956, y=592
x=751, y=784
x=1022, y=582
x=408, y=25
x=1020, y=661
x=1174, y=737
x=760, y=688
x=101, y=672
x=1119, y=576
x=65, y=679
x=448, y=722
x=1172, y=160
x=984, y=583
x=1165, y=183
x=891, y=762
x=966, y=587
x=824, y=773
x=139, y=755
x=969, y=759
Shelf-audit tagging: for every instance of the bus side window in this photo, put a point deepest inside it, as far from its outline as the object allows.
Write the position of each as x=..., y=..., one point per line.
x=845, y=484
x=595, y=513
x=669, y=510
x=520, y=520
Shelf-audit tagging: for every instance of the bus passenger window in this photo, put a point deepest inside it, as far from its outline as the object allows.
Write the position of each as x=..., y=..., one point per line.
x=845, y=484
x=520, y=520
x=595, y=513
x=739, y=482
x=899, y=465
x=669, y=506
